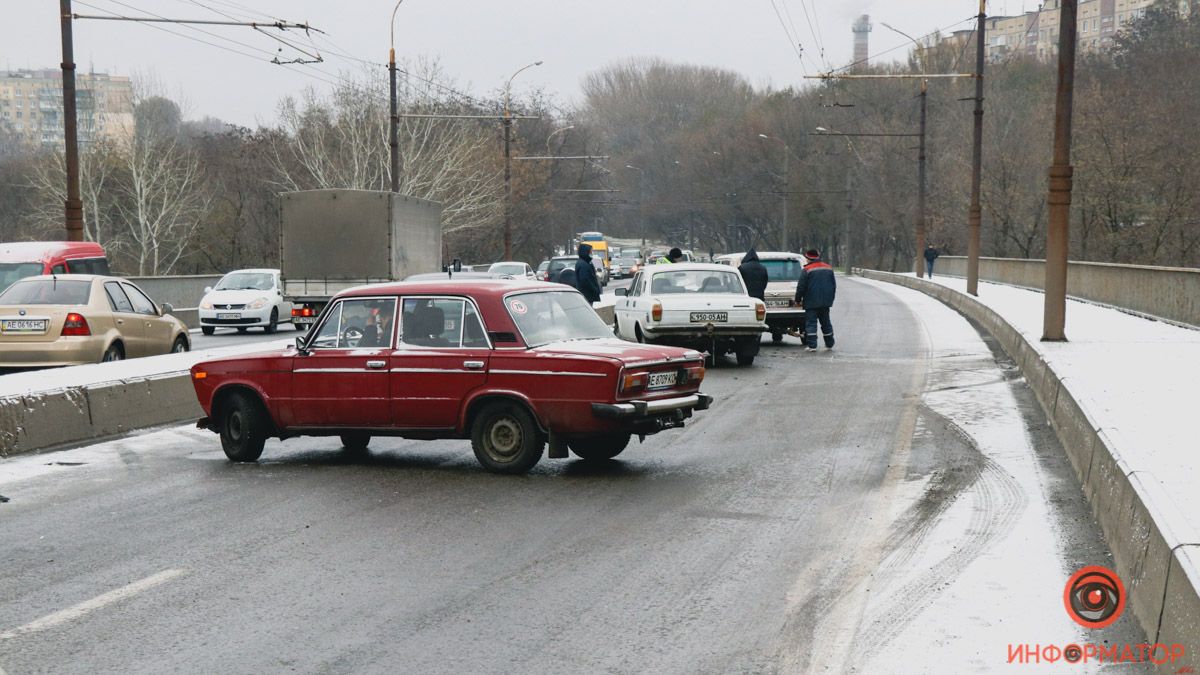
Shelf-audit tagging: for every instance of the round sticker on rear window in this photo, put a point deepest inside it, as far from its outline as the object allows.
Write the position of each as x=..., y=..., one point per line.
x=517, y=306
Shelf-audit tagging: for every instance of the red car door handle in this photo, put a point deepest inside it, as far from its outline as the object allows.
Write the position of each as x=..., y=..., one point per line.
x=376, y=365
x=473, y=365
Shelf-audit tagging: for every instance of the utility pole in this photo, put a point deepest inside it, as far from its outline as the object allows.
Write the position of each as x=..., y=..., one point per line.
x=849, y=205
x=394, y=123
x=1059, y=198
x=507, y=121
x=74, y=203
x=783, y=224
x=921, y=187
x=975, y=217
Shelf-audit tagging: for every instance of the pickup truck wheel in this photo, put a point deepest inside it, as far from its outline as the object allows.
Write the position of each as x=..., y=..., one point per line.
x=299, y=326
x=208, y=330
x=746, y=350
x=506, y=439
x=598, y=448
x=273, y=322
x=356, y=442
x=244, y=428
x=776, y=337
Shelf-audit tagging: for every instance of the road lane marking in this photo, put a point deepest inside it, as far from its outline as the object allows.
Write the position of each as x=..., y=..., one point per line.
x=83, y=608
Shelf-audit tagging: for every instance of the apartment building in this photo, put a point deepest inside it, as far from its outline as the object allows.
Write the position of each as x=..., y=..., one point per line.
x=31, y=105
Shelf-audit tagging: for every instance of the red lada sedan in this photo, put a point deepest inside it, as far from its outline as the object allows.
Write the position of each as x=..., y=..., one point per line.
x=511, y=365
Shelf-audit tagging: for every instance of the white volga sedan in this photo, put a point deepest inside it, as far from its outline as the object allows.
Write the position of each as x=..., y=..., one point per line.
x=697, y=305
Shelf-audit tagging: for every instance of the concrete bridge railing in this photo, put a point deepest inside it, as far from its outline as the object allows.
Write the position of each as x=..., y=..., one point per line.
x=1170, y=293
x=183, y=292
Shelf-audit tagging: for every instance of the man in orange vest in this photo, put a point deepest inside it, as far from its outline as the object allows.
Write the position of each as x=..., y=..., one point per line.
x=815, y=292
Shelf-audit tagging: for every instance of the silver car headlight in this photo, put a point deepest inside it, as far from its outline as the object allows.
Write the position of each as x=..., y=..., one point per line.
x=259, y=303
x=206, y=304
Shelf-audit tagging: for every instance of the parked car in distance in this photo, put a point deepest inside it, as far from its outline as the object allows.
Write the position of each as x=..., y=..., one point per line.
x=71, y=319
x=512, y=269
x=540, y=272
x=245, y=299
x=783, y=272
x=625, y=267
x=508, y=364
x=32, y=258
x=699, y=305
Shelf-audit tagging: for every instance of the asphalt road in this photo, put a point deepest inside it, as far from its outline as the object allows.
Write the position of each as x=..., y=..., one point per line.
x=224, y=337
x=754, y=540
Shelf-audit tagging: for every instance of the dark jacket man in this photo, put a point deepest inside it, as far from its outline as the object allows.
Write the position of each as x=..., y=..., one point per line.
x=816, y=290
x=585, y=275
x=754, y=274
x=931, y=254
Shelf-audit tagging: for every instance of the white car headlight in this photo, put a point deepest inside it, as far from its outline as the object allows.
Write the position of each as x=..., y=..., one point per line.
x=206, y=304
x=259, y=303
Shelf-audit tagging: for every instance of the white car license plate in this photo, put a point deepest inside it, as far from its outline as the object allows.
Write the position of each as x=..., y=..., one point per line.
x=23, y=325
x=230, y=315
x=715, y=317
x=777, y=303
x=659, y=380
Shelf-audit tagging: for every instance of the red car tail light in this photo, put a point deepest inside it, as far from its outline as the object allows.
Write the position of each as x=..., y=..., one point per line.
x=656, y=311
x=760, y=311
x=76, y=325
x=693, y=374
x=634, y=381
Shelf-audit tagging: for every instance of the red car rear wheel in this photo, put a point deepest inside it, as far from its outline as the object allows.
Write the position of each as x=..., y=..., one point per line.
x=506, y=439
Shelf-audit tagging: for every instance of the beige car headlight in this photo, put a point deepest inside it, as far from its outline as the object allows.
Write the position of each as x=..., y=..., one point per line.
x=259, y=303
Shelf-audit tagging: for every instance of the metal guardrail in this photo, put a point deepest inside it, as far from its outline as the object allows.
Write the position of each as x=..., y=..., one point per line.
x=1168, y=293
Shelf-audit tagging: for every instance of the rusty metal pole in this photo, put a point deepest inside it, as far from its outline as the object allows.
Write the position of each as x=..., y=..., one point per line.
x=74, y=204
x=921, y=187
x=1059, y=198
x=975, y=217
x=394, y=124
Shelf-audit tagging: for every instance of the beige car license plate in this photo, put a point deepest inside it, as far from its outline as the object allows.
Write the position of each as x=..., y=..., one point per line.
x=23, y=325
x=658, y=380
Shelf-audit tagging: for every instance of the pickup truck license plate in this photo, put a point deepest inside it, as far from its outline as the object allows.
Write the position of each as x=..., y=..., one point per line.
x=777, y=303
x=659, y=380
x=715, y=317
x=230, y=315
x=23, y=326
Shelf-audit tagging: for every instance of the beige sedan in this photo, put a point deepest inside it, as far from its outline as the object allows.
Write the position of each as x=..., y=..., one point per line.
x=71, y=319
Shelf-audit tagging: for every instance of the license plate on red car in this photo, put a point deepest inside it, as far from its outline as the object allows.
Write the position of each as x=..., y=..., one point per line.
x=660, y=380
x=715, y=317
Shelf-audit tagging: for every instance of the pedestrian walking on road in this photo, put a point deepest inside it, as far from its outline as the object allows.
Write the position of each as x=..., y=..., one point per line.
x=815, y=291
x=931, y=254
x=585, y=275
x=754, y=274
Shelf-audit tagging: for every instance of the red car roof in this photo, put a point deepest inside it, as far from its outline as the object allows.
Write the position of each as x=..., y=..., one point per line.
x=477, y=288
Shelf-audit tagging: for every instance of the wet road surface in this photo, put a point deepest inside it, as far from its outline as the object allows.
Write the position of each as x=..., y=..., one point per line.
x=829, y=511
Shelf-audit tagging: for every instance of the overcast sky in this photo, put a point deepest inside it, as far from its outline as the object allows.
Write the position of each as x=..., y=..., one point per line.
x=480, y=43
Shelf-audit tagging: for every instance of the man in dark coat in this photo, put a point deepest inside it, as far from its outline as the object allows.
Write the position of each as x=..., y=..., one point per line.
x=585, y=274
x=931, y=254
x=754, y=274
x=816, y=290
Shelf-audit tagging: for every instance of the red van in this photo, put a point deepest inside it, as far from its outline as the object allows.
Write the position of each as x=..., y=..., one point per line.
x=31, y=258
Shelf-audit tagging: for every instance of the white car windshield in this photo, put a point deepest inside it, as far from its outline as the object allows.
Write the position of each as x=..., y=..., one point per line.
x=507, y=268
x=246, y=281
x=696, y=281
x=783, y=270
x=552, y=316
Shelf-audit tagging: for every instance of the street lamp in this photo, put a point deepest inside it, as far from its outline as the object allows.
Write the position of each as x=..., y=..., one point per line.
x=822, y=131
x=508, y=160
x=641, y=199
x=919, y=226
x=394, y=124
x=555, y=132
x=786, y=186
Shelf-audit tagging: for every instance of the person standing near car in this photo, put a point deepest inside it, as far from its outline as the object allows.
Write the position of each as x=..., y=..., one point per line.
x=815, y=291
x=931, y=254
x=674, y=256
x=754, y=274
x=585, y=275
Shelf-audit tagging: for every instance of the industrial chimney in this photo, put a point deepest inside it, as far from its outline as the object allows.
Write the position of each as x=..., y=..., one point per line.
x=862, y=30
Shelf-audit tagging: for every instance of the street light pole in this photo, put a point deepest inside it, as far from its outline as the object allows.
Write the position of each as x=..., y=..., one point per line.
x=783, y=225
x=1059, y=199
x=507, y=122
x=975, y=216
x=919, y=225
x=394, y=123
x=73, y=206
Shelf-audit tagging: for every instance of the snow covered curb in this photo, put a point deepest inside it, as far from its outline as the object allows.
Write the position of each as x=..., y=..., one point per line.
x=1155, y=550
x=45, y=409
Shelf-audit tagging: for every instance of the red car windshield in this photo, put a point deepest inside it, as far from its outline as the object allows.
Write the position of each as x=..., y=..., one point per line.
x=553, y=316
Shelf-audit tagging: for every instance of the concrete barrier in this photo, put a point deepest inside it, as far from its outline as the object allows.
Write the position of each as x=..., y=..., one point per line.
x=1151, y=542
x=1166, y=293
x=182, y=292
